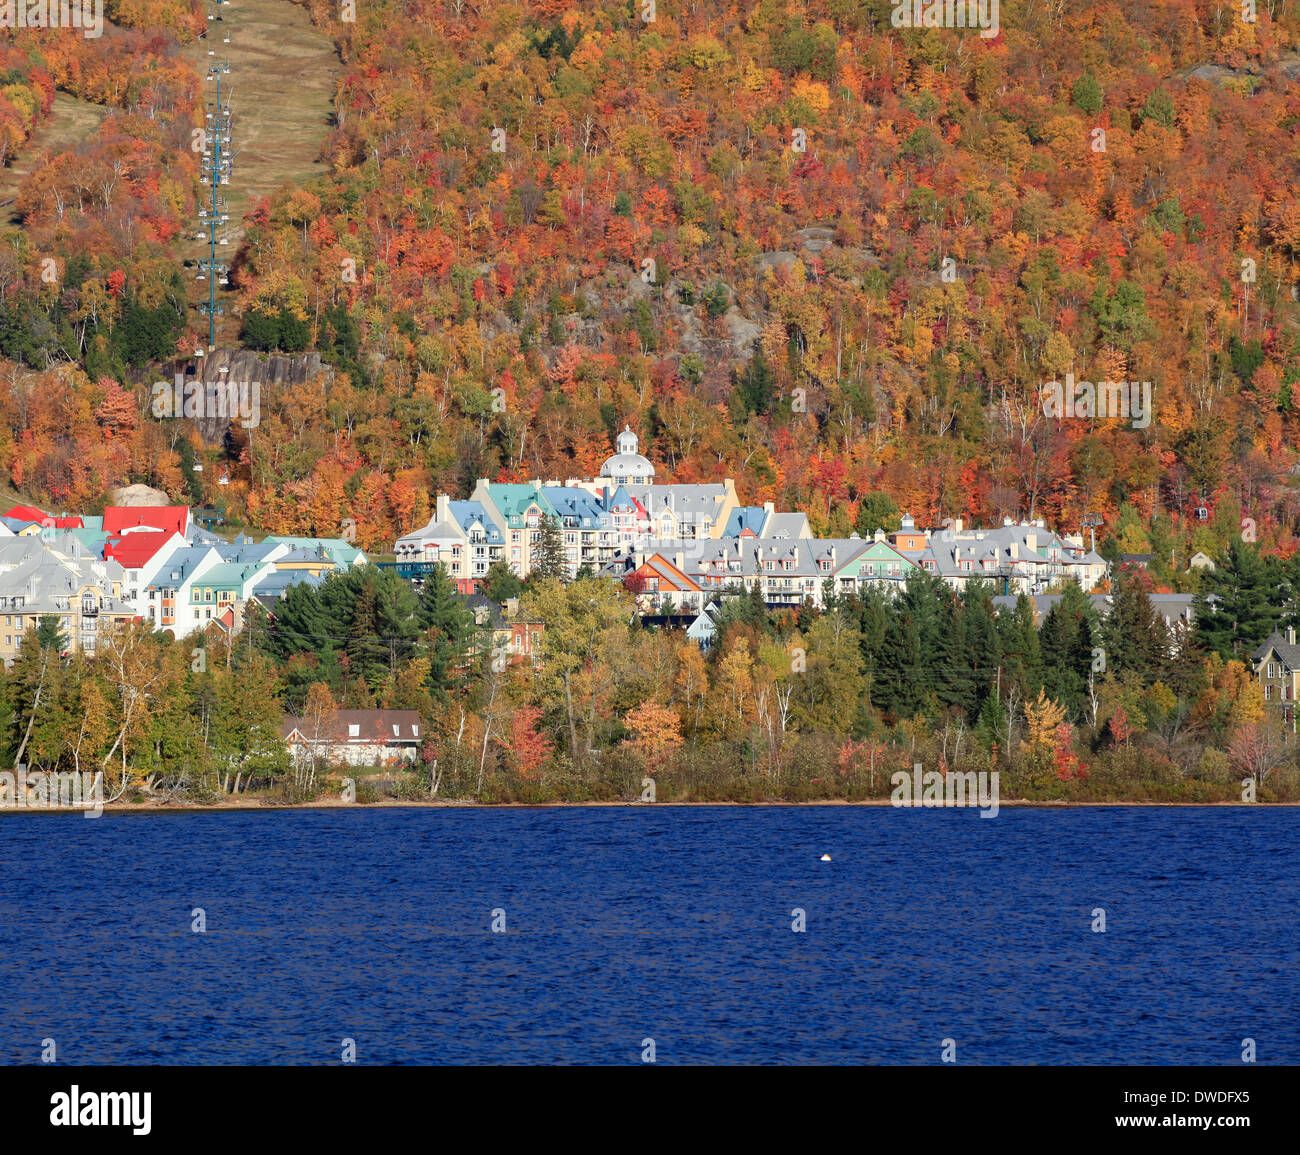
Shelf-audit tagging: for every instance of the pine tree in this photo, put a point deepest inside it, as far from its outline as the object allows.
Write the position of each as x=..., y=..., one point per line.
x=1134, y=636
x=549, y=559
x=1066, y=643
x=448, y=628
x=49, y=633
x=501, y=583
x=366, y=653
x=1021, y=655
x=1241, y=615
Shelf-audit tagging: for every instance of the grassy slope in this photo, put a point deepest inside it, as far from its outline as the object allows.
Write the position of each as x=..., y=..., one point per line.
x=71, y=121
x=282, y=74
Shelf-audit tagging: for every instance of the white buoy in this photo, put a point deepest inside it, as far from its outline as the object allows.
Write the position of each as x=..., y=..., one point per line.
x=826, y=858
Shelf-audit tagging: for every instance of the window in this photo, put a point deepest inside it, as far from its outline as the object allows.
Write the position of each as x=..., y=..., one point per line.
x=1270, y=670
x=354, y=729
x=1268, y=693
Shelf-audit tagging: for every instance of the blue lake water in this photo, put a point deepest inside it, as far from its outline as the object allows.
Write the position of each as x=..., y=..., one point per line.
x=673, y=924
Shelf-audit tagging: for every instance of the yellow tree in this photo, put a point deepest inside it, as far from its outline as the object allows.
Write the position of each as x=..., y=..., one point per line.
x=731, y=701
x=654, y=731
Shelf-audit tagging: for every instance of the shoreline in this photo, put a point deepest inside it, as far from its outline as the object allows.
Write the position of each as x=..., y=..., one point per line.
x=257, y=804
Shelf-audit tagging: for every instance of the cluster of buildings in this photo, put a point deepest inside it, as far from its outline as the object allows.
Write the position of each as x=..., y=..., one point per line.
x=147, y=563
x=677, y=545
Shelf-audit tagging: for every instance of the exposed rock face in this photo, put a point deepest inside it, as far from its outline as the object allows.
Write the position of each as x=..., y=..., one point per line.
x=816, y=239
x=784, y=259
x=248, y=379
x=1288, y=65
x=741, y=332
x=136, y=495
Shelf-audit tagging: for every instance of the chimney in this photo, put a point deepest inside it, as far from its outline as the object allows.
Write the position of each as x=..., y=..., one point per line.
x=879, y=535
x=512, y=607
x=957, y=525
x=444, y=508
x=1290, y=635
x=679, y=561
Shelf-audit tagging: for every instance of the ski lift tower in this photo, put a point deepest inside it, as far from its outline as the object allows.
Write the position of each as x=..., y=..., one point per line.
x=1090, y=523
x=217, y=165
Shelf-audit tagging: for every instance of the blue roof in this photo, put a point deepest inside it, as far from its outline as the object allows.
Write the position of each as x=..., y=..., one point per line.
x=745, y=517
x=466, y=513
x=245, y=551
x=570, y=501
x=620, y=496
x=274, y=585
x=182, y=563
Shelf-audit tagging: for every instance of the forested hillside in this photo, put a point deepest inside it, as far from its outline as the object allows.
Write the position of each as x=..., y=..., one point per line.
x=790, y=244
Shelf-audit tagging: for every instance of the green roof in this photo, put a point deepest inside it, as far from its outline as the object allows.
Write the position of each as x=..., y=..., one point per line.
x=515, y=499
x=227, y=576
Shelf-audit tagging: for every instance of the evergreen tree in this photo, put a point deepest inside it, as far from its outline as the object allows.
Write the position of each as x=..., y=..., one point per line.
x=1021, y=655
x=950, y=660
x=365, y=650
x=1241, y=614
x=49, y=633
x=756, y=385
x=448, y=627
x=1066, y=643
x=549, y=559
x=1134, y=636
x=302, y=623
x=983, y=644
x=896, y=686
x=501, y=583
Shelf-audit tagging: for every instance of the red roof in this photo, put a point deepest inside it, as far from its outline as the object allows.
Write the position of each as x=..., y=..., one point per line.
x=170, y=518
x=31, y=513
x=134, y=549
